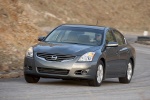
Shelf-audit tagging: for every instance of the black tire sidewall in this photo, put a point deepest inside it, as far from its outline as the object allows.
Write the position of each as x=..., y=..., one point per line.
x=99, y=63
x=31, y=78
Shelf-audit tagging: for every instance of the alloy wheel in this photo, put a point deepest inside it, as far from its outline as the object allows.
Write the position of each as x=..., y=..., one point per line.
x=129, y=71
x=100, y=73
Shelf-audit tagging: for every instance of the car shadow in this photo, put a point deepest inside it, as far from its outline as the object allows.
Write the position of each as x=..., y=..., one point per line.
x=73, y=82
x=64, y=82
x=60, y=82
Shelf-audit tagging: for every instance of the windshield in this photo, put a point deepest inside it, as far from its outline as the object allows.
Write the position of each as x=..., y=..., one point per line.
x=76, y=35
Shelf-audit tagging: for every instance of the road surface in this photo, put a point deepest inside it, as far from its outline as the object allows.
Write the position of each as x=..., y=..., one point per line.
x=111, y=89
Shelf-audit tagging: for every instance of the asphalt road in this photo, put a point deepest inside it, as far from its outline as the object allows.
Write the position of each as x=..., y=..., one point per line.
x=111, y=89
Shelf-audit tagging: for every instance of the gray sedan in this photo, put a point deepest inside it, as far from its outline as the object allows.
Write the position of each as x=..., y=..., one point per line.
x=92, y=53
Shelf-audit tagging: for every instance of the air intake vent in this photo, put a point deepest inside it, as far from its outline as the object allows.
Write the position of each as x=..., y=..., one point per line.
x=52, y=71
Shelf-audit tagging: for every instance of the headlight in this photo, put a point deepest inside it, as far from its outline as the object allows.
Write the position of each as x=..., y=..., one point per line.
x=87, y=57
x=29, y=52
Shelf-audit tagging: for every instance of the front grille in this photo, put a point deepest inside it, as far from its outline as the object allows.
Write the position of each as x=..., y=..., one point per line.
x=52, y=71
x=55, y=57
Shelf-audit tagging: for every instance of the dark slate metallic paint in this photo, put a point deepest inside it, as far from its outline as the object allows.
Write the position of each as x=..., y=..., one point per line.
x=116, y=58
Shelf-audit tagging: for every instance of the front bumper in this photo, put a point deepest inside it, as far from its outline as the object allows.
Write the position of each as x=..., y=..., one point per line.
x=75, y=69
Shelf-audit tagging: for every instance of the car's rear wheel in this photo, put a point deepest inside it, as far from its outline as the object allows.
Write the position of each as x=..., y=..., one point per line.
x=129, y=74
x=99, y=75
x=31, y=78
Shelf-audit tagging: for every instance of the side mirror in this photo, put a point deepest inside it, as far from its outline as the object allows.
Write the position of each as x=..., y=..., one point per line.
x=112, y=44
x=41, y=38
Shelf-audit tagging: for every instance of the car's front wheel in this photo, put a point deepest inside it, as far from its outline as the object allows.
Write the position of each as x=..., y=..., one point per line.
x=99, y=75
x=129, y=74
x=31, y=78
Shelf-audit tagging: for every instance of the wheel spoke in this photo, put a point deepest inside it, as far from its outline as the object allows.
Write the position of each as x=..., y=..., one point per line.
x=99, y=73
x=129, y=71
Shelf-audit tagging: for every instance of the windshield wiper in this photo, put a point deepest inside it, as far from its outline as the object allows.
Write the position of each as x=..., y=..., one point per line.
x=70, y=42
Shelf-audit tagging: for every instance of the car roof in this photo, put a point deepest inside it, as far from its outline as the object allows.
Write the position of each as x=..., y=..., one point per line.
x=85, y=26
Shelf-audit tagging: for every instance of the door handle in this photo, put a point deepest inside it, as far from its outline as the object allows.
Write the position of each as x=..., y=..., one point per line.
x=124, y=50
x=127, y=51
x=117, y=53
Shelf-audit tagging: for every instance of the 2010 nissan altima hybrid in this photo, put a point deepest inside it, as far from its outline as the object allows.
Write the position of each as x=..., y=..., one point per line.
x=92, y=53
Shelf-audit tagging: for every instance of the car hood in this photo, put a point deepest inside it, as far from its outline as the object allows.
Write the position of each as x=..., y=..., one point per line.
x=63, y=48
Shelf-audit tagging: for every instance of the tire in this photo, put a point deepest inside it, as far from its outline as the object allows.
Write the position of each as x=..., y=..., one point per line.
x=31, y=79
x=66, y=79
x=99, y=76
x=129, y=74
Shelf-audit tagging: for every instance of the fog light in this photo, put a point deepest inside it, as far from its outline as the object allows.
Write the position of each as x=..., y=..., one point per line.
x=29, y=67
x=84, y=72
